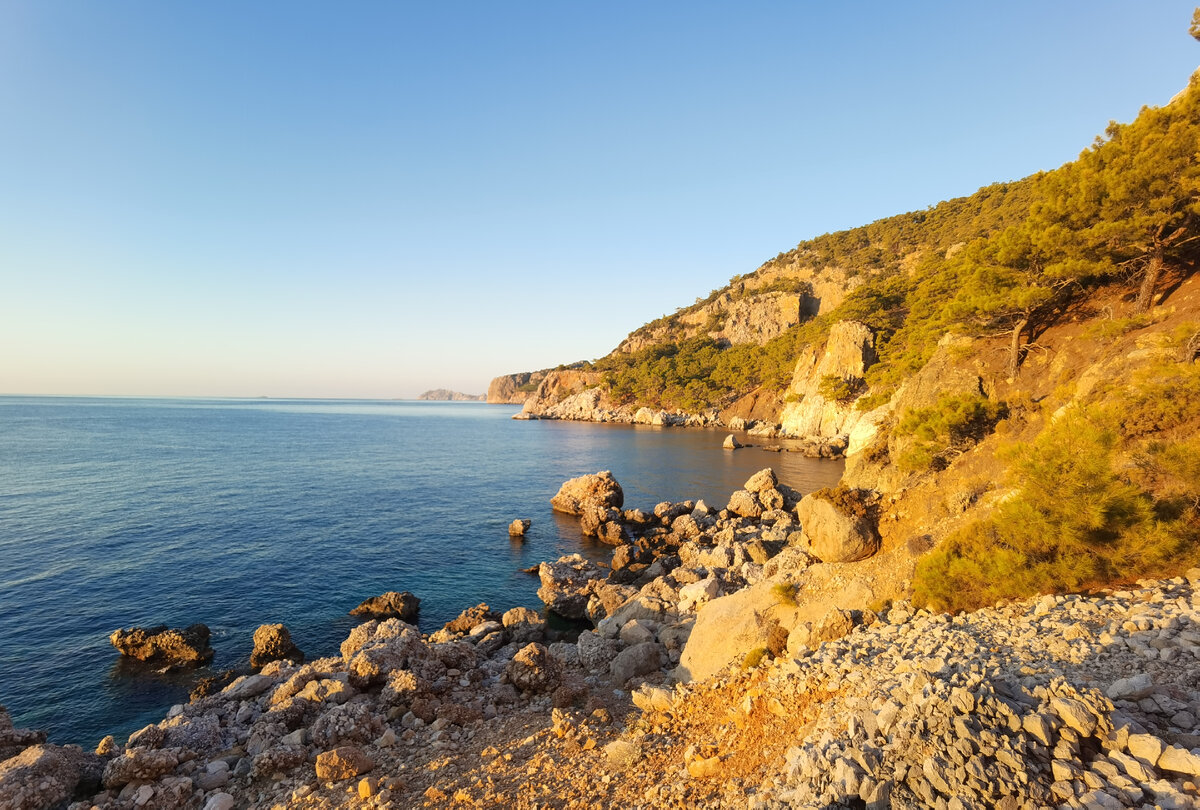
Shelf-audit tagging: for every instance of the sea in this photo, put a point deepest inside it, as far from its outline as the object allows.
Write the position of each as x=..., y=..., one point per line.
x=117, y=513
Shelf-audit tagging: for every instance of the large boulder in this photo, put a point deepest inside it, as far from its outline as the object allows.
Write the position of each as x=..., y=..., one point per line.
x=599, y=489
x=729, y=627
x=273, y=642
x=567, y=585
x=533, y=669
x=836, y=530
x=44, y=776
x=400, y=605
x=162, y=646
x=471, y=618
x=639, y=659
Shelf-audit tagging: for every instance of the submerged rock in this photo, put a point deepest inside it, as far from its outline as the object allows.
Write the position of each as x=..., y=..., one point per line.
x=401, y=605
x=163, y=646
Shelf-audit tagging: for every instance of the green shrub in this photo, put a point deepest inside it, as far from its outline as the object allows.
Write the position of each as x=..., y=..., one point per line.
x=1074, y=522
x=936, y=434
x=754, y=658
x=785, y=593
x=840, y=389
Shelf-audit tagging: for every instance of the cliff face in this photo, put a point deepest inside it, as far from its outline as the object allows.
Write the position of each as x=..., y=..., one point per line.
x=514, y=389
x=446, y=395
x=820, y=402
x=731, y=319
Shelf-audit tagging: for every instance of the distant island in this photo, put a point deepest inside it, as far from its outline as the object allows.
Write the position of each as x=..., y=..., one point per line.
x=446, y=395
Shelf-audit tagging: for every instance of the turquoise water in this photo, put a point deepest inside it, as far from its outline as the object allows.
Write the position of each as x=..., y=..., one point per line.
x=122, y=512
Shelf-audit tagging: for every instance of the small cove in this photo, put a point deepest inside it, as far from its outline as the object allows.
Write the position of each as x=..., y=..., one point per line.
x=123, y=512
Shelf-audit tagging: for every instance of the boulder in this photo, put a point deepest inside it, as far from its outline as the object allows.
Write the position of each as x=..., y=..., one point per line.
x=729, y=627
x=833, y=534
x=43, y=776
x=567, y=583
x=15, y=740
x=599, y=489
x=162, y=646
x=518, y=527
x=344, y=762
x=533, y=669
x=640, y=659
x=273, y=642
x=391, y=605
x=524, y=625
x=731, y=443
x=470, y=618
x=594, y=651
x=745, y=504
x=761, y=481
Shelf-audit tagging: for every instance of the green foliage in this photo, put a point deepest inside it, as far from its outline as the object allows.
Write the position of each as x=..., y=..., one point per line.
x=1108, y=330
x=840, y=389
x=754, y=658
x=935, y=434
x=1074, y=521
x=1163, y=397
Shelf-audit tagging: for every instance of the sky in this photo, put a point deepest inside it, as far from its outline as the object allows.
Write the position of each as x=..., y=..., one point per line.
x=369, y=199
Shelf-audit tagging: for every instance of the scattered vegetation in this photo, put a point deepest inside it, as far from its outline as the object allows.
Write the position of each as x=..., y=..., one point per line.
x=754, y=658
x=1095, y=501
x=840, y=389
x=784, y=593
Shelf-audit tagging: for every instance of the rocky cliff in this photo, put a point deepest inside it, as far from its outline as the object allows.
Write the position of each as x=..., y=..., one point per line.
x=514, y=389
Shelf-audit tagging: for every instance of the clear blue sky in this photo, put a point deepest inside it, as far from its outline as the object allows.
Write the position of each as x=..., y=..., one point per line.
x=369, y=199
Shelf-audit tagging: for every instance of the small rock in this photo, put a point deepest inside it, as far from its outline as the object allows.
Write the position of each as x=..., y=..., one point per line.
x=344, y=762
x=731, y=443
x=518, y=527
x=401, y=605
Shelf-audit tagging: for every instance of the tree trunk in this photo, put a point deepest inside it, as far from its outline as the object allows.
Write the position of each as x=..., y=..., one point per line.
x=1014, y=351
x=1149, y=281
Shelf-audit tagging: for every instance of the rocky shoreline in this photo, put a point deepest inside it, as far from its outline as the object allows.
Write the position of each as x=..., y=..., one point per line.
x=757, y=654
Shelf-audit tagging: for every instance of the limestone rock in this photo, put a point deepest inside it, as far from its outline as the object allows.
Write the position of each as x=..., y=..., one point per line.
x=566, y=585
x=401, y=605
x=745, y=504
x=15, y=740
x=533, y=669
x=731, y=443
x=42, y=776
x=640, y=659
x=141, y=765
x=762, y=481
x=162, y=646
x=523, y=625
x=833, y=535
x=466, y=621
x=518, y=527
x=599, y=489
x=273, y=642
x=344, y=762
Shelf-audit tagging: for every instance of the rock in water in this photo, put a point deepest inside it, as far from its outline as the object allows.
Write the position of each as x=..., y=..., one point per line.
x=600, y=489
x=273, y=642
x=731, y=443
x=400, y=605
x=567, y=585
x=518, y=527
x=163, y=646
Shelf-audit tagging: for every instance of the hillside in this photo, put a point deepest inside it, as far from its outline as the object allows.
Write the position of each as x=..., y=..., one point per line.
x=446, y=395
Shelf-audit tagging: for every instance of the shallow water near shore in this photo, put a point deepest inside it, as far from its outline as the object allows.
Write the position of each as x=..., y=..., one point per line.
x=123, y=512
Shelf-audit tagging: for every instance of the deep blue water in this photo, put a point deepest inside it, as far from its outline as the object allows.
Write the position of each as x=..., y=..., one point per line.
x=123, y=512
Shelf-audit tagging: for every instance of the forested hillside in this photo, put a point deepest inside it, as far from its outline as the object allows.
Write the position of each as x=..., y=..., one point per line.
x=1010, y=259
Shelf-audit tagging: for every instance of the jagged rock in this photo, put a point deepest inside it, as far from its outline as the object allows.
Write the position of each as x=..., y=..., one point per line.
x=523, y=625
x=401, y=605
x=273, y=642
x=731, y=443
x=375, y=649
x=833, y=536
x=1135, y=687
x=43, y=776
x=606, y=597
x=15, y=740
x=142, y=765
x=566, y=585
x=347, y=723
x=594, y=651
x=466, y=621
x=533, y=669
x=163, y=646
x=345, y=762
x=518, y=527
x=745, y=504
x=599, y=489
x=278, y=760
x=762, y=481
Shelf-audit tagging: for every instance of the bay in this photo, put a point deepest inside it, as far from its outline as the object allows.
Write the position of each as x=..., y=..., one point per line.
x=235, y=513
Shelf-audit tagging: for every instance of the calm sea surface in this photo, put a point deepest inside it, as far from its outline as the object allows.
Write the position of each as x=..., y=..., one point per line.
x=123, y=512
